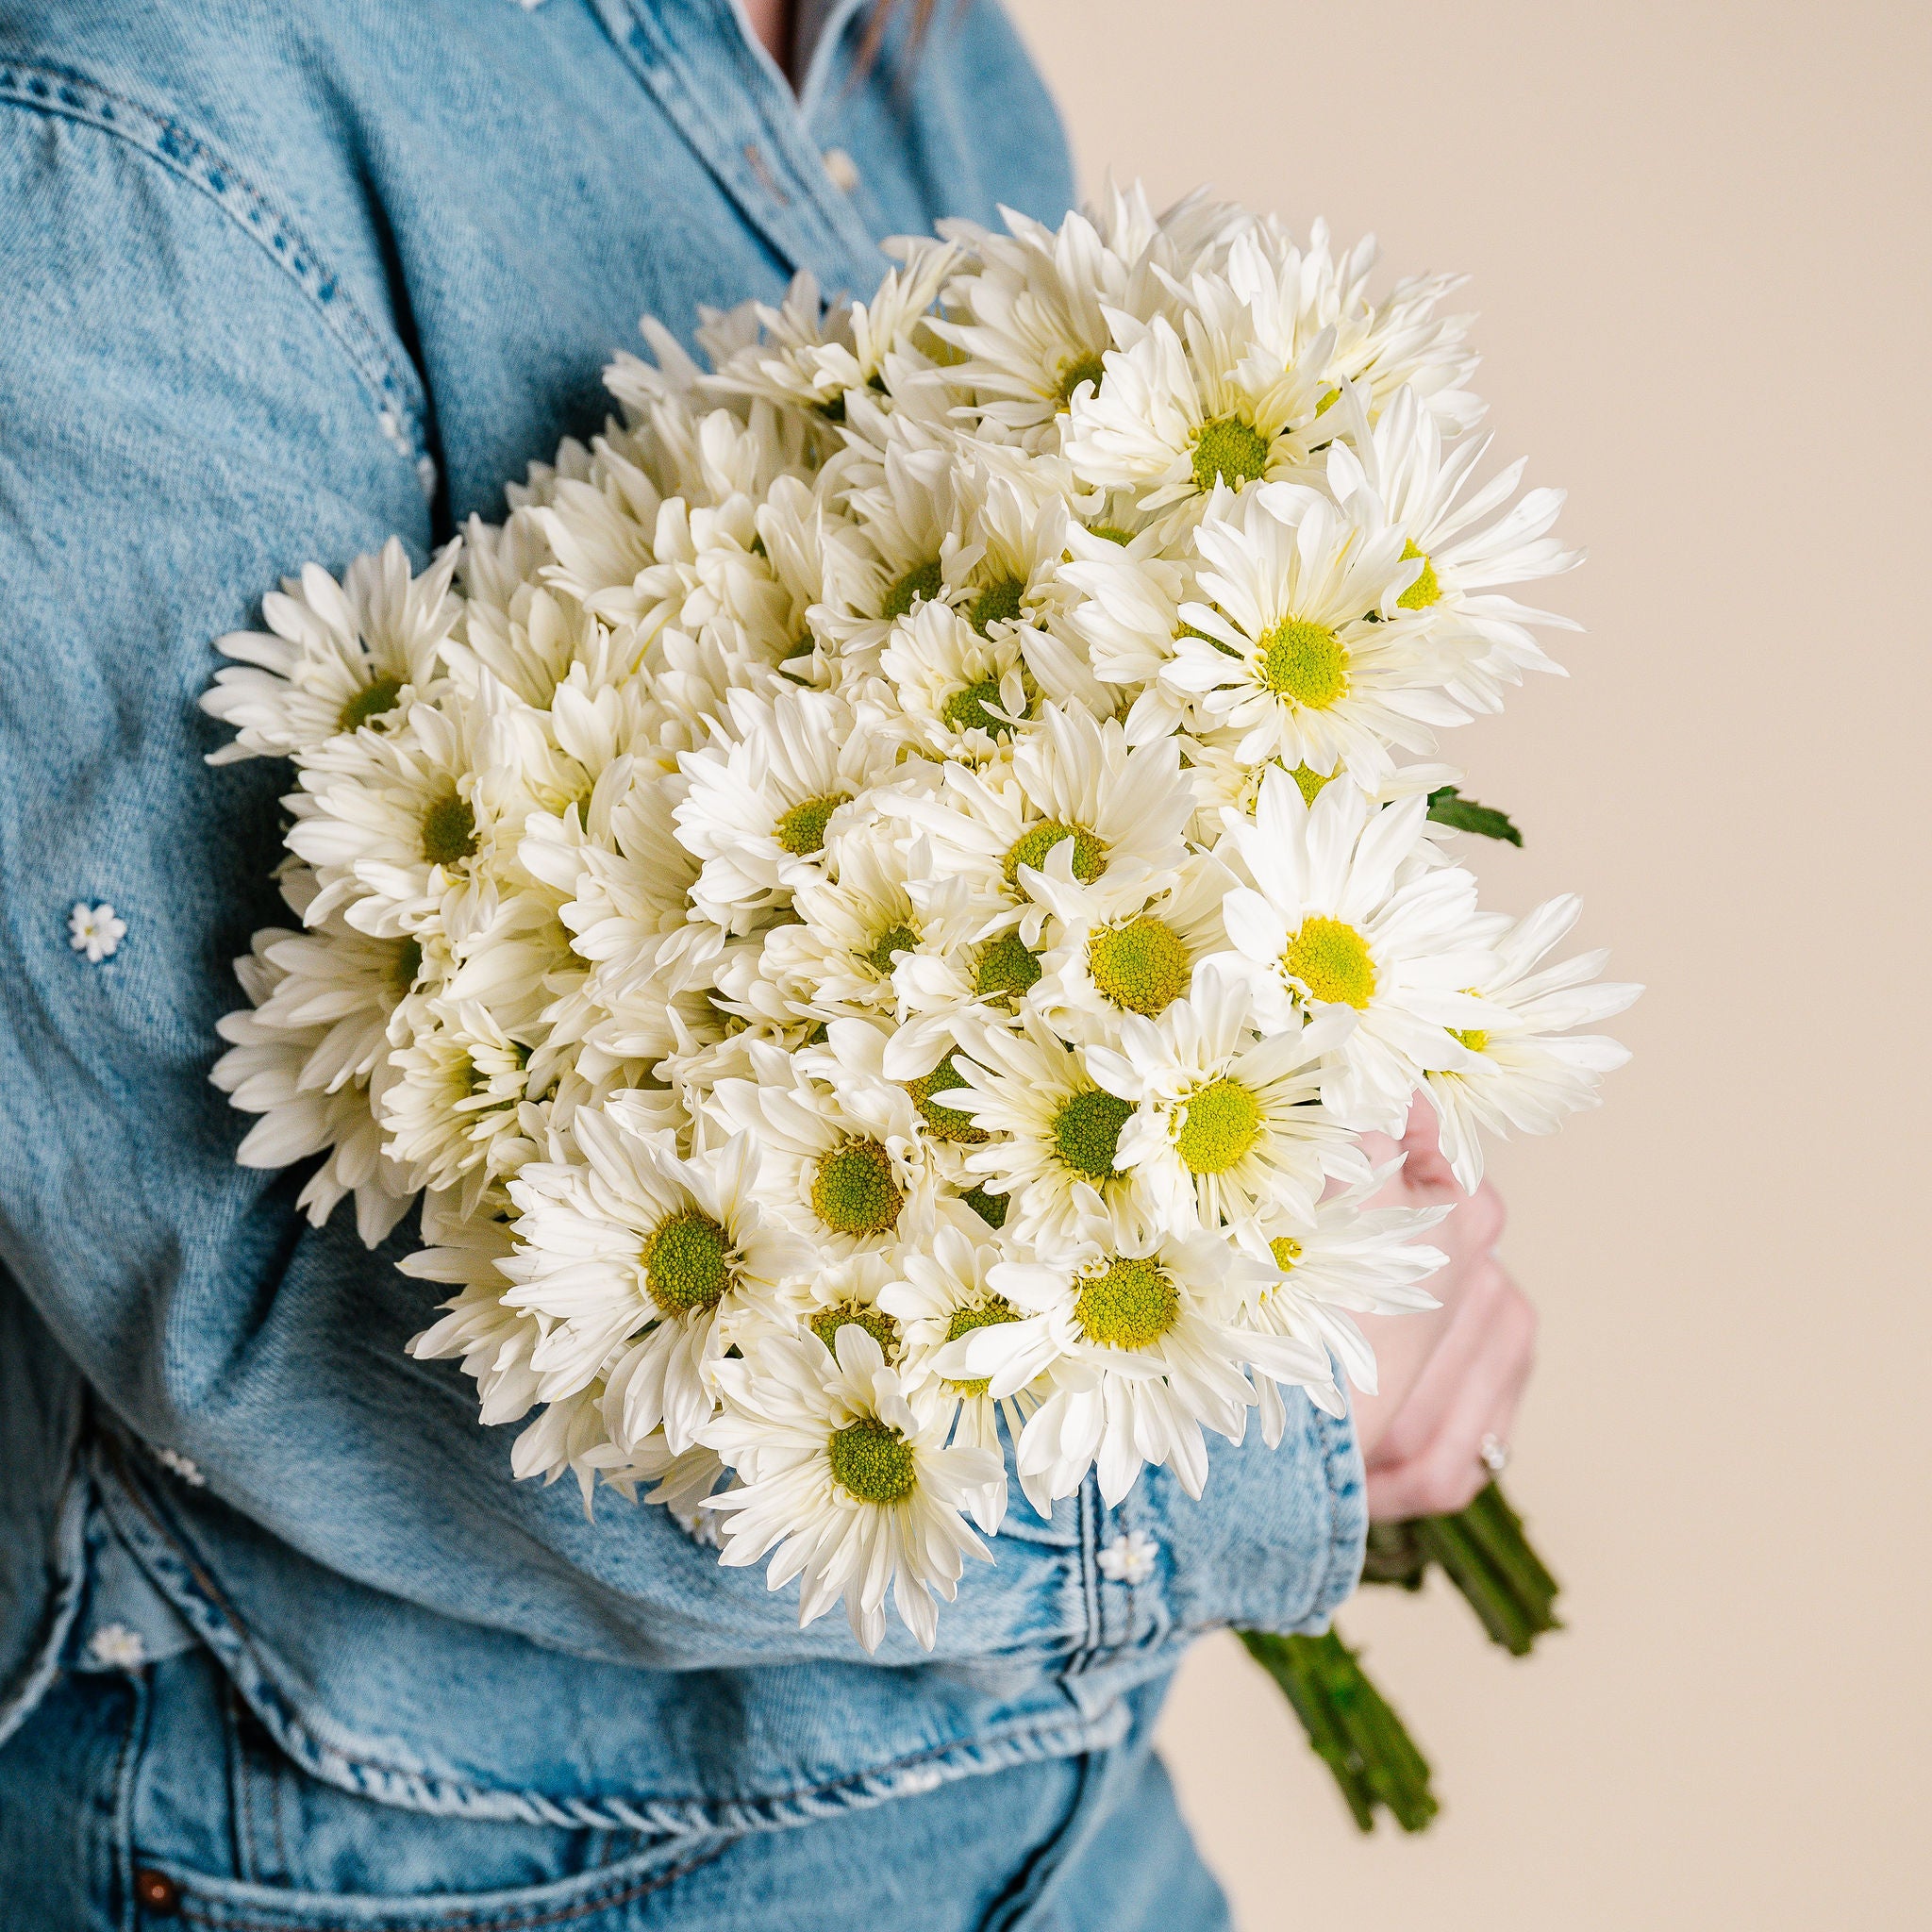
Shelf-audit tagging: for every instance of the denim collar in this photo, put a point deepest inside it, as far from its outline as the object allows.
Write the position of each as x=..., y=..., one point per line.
x=731, y=103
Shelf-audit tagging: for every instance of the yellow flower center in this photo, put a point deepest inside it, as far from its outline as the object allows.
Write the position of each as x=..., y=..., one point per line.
x=1309, y=783
x=1475, y=1037
x=1425, y=590
x=1004, y=969
x=802, y=830
x=871, y=1461
x=1141, y=966
x=1286, y=1250
x=372, y=701
x=1131, y=1305
x=1032, y=846
x=967, y=709
x=991, y=1313
x=999, y=603
x=1304, y=662
x=1079, y=369
x=992, y=1208
x=942, y=1122
x=1087, y=1132
x=449, y=829
x=827, y=1323
x=1229, y=450
x=920, y=585
x=1332, y=960
x=1218, y=1125
x=854, y=1192
x=895, y=939
x=687, y=1262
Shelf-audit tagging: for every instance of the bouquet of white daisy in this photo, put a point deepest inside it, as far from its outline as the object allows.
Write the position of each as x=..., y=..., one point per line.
x=875, y=908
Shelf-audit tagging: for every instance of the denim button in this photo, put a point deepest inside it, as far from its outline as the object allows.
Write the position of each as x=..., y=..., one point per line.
x=157, y=1891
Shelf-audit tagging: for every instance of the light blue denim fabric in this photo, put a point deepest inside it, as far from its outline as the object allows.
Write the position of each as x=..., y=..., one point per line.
x=111, y=1821
x=275, y=281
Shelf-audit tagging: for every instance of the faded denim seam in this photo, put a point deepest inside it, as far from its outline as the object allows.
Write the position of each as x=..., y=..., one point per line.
x=70, y=1566
x=348, y=1765
x=63, y=94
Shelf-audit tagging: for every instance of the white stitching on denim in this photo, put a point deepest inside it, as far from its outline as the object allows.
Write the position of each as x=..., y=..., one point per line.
x=43, y=89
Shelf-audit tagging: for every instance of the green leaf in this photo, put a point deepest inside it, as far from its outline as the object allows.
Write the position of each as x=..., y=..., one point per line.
x=1351, y=1727
x=1447, y=807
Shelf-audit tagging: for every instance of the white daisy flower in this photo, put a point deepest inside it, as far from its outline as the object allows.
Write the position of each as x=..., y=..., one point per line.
x=1299, y=644
x=335, y=657
x=1127, y=1329
x=1526, y=1070
x=763, y=799
x=402, y=828
x=960, y=693
x=936, y=1299
x=1131, y=1559
x=843, y=1484
x=826, y=1299
x=264, y=1071
x=1344, y=916
x=639, y=1266
x=1054, y=1131
x=1229, y=399
x=854, y=933
x=842, y=1164
x=1074, y=801
x=1106, y=961
x=1466, y=548
x=96, y=931
x=1227, y=1121
x=456, y=1114
x=490, y=1336
x=1341, y=1258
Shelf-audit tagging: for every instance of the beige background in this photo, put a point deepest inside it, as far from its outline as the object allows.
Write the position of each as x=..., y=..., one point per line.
x=1698, y=239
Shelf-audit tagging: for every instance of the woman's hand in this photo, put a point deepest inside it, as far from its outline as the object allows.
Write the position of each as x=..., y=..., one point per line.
x=1452, y=1375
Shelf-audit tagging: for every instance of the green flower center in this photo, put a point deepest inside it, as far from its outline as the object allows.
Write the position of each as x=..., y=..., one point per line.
x=1078, y=369
x=1425, y=590
x=1111, y=532
x=802, y=830
x=1286, y=1250
x=920, y=585
x=1332, y=960
x=1141, y=966
x=1004, y=970
x=449, y=829
x=687, y=1262
x=999, y=603
x=966, y=710
x=827, y=1323
x=1031, y=847
x=406, y=968
x=1087, y=1132
x=1219, y=1125
x=992, y=1208
x=1229, y=450
x=895, y=939
x=1309, y=783
x=372, y=701
x=1131, y=1305
x=1304, y=661
x=854, y=1192
x=942, y=1122
x=991, y=1313
x=871, y=1461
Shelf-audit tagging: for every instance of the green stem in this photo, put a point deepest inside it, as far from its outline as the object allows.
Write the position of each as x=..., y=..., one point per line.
x=1483, y=1550
x=1351, y=1727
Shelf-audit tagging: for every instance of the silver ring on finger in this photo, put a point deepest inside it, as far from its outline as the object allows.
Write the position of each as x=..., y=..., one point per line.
x=1494, y=1455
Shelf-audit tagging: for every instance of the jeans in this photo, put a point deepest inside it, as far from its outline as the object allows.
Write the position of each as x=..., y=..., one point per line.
x=148, y=1801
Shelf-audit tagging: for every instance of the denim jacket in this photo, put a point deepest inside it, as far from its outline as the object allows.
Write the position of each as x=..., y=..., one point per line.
x=274, y=282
